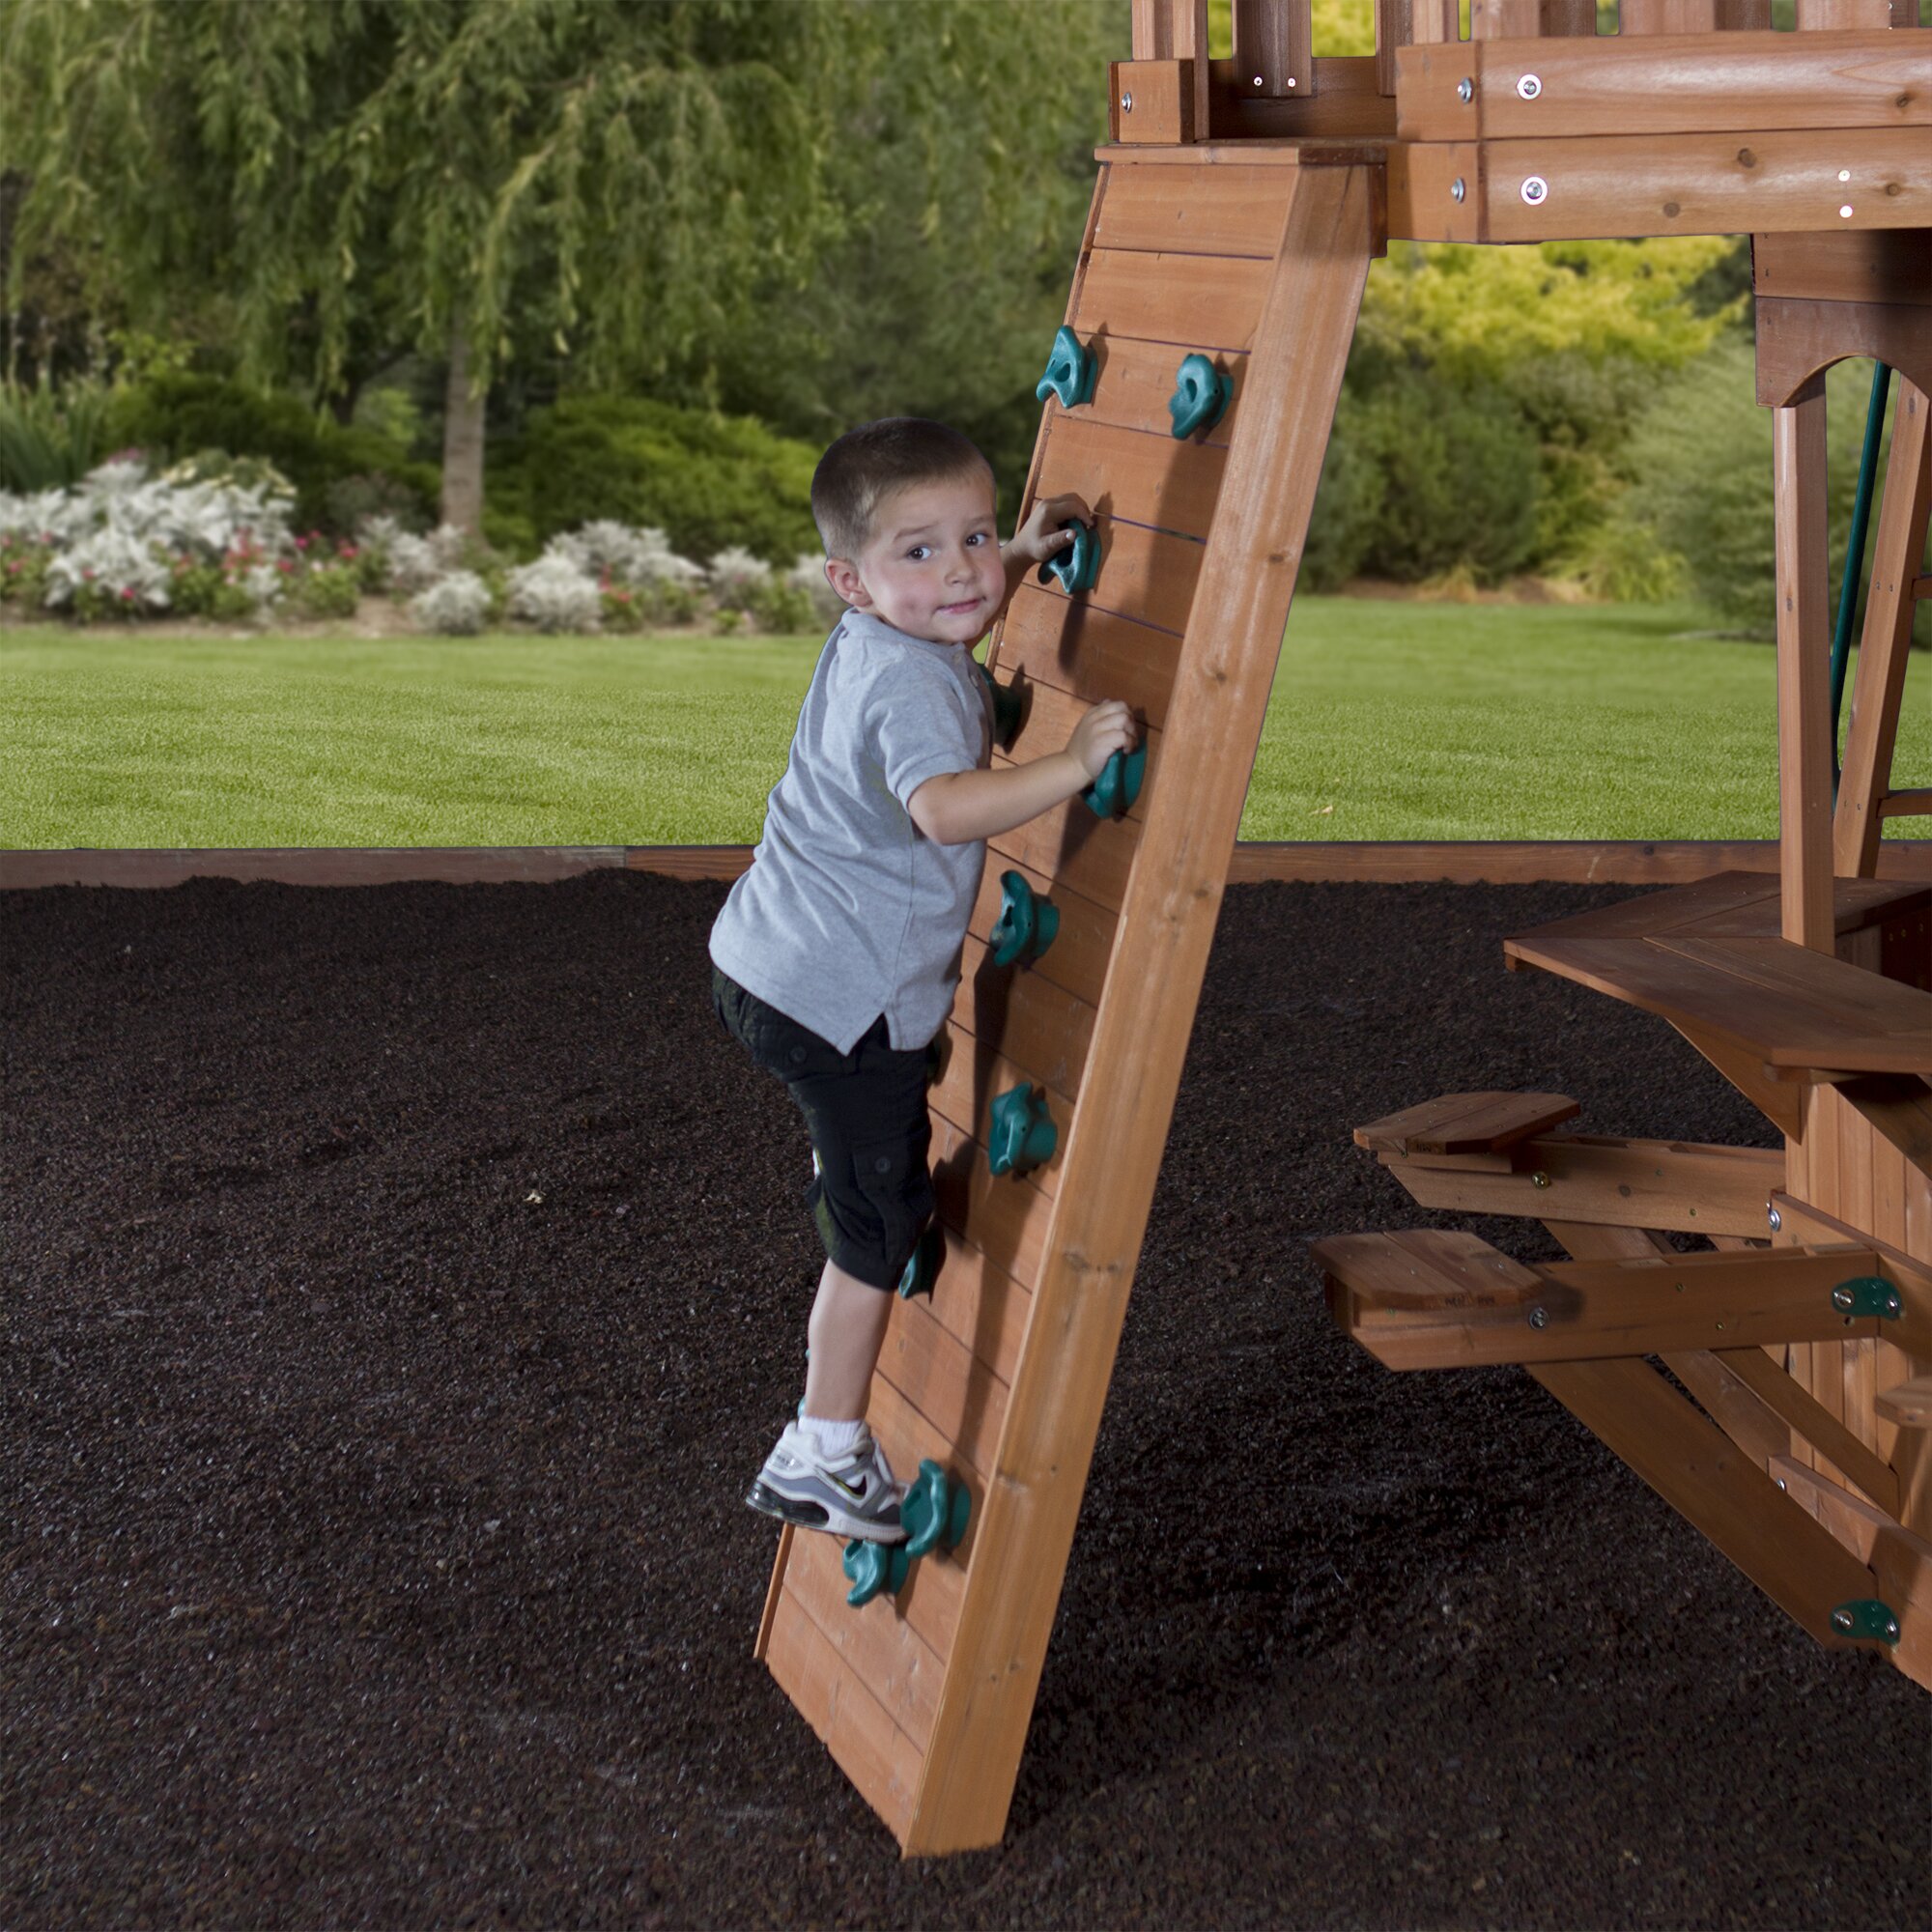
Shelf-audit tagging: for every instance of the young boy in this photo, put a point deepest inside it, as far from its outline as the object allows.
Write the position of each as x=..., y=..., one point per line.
x=836, y=955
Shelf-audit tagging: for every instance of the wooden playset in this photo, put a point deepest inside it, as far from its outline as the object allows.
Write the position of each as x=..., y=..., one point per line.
x=1189, y=397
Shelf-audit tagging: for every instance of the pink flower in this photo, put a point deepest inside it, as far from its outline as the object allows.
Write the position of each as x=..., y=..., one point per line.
x=15, y=569
x=127, y=593
x=87, y=577
x=301, y=543
x=348, y=550
x=285, y=566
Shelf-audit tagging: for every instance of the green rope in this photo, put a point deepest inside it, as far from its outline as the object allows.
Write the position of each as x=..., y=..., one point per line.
x=1855, y=554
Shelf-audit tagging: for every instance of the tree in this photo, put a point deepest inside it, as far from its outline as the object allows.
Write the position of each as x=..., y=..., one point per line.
x=484, y=179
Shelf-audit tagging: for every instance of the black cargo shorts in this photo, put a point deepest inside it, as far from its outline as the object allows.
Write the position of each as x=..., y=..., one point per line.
x=872, y=1197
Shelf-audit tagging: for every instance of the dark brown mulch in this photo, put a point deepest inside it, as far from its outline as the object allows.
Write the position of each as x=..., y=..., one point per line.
x=401, y=1283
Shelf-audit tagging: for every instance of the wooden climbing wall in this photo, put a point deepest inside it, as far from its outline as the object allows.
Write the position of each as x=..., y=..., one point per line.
x=924, y=1700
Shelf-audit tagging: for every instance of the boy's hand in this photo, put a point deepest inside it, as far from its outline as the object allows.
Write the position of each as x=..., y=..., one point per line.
x=1108, y=728
x=1040, y=536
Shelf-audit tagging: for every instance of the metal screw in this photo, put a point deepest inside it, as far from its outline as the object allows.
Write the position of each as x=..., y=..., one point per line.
x=1846, y=212
x=1775, y=1219
x=1538, y=1318
x=1842, y=1298
x=1291, y=80
x=1539, y=1178
x=1844, y=174
x=1529, y=87
x=1891, y=1629
x=1534, y=190
x=1841, y=1620
x=1465, y=89
x=1456, y=189
x=1259, y=81
x=1127, y=103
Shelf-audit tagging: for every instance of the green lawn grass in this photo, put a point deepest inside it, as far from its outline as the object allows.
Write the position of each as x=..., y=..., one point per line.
x=1388, y=720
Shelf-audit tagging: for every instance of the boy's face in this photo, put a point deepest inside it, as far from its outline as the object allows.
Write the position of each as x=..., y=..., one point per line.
x=931, y=567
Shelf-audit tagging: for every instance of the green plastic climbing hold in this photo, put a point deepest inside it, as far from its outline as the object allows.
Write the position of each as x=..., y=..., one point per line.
x=873, y=1567
x=1023, y=1132
x=934, y=1512
x=1867, y=1295
x=1119, y=785
x=922, y=1265
x=1077, y=567
x=1864, y=1617
x=1070, y=372
x=1201, y=395
x=1008, y=709
x=1027, y=925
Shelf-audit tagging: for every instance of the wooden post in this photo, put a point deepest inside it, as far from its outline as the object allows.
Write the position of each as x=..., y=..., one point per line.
x=1166, y=927
x=1531, y=19
x=1803, y=672
x=1177, y=30
x=1409, y=23
x=1692, y=17
x=1877, y=693
x=1274, y=49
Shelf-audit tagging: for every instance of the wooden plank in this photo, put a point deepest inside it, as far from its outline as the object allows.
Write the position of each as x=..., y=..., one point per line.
x=1877, y=693
x=1687, y=1188
x=882, y=1762
x=1638, y=185
x=974, y=1076
x=1879, y=265
x=1907, y=1404
x=1900, y=1561
x=1146, y=1016
x=1804, y=668
x=1526, y=19
x=1050, y=719
x=1230, y=211
x=1089, y=653
x=1829, y=15
x=1487, y=1122
x=1274, y=47
x=1692, y=17
x=1899, y=1109
x=1133, y=379
x=1779, y=1394
x=1405, y=23
x=874, y=1642
x=1780, y=1101
x=1071, y=848
x=1904, y=1267
x=1076, y=961
x=1524, y=89
x=1695, y=1467
x=1207, y=302
x=1346, y=117
x=1144, y=575
x=1576, y=1311
x=940, y=1376
x=1031, y=1020
x=1003, y=1216
x=978, y=1303
x=1729, y=1402
x=1798, y=340
x=1131, y=474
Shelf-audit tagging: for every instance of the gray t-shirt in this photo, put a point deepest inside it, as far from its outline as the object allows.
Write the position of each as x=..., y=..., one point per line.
x=849, y=911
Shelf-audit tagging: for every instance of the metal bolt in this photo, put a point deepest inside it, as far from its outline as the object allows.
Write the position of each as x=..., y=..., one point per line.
x=1844, y=174
x=1539, y=1178
x=1456, y=189
x=1291, y=80
x=1841, y=1620
x=1534, y=190
x=1259, y=81
x=1465, y=89
x=1781, y=1484
x=1775, y=1219
x=1538, y=1318
x=1846, y=212
x=1127, y=103
x=1891, y=1629
x=1529, y=87
x=1842, y=1298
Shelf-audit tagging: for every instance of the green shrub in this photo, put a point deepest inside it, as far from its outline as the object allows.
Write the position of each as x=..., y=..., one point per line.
x=48, y=436
x=23, y=570
x=708, y=481
x=325, y=588
x=1342, y=533
x=194, y=588
x=175, y=416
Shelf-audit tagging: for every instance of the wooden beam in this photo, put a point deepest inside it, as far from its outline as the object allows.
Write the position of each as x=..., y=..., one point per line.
x=1526, y=19
x=1692, y=183
x=1878, y=689
x=1878, y=265
x=1798, y=340
x=1116, y=1139
x=1275, y=49
x=1177, y=31
x=1692, y=17
x=1523, y=89
x=1780, y=1101
x=1803, y=672
x=1695, y=1469
x=1404, y=24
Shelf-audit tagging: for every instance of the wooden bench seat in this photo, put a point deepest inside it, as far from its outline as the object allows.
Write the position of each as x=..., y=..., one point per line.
x=1709, y=959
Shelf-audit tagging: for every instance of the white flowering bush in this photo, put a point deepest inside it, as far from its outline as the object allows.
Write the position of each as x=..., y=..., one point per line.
x=807, y=578
x=736, y=577
x=456, y=606
x=556, y=594
x=107, y=572
x=413, y=565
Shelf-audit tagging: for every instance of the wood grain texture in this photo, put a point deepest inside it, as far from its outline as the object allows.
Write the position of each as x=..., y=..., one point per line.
x=1133, y=475
x=1228, y=210
x=1274, y=47
x=1877, y=265
x=1146, y=1015
x=1798, y=340
x=1209, y=303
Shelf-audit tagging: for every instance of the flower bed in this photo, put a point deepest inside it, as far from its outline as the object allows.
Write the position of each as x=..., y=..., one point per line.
x=212, y=538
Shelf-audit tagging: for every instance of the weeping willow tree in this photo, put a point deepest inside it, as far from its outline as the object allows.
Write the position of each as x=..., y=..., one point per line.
x=483, y=180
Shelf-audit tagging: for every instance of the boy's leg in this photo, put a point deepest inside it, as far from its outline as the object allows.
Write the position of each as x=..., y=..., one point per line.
x=845, y=1333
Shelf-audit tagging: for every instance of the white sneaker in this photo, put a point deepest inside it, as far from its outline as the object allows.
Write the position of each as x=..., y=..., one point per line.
x=852, y=1493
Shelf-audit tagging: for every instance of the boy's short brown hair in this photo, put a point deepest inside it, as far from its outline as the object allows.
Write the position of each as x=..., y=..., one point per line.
x=876, y=461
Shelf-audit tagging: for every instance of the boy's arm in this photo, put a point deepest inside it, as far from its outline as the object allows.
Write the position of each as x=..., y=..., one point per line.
x=961, y=806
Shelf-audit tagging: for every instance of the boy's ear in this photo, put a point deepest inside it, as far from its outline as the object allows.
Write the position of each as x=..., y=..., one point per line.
x=842, y=574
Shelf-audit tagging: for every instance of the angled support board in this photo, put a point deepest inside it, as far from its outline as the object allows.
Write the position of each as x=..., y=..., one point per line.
x=924, y=1700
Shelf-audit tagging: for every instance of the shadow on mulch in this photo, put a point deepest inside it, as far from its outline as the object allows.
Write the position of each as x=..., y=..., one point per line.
x=402, y=1283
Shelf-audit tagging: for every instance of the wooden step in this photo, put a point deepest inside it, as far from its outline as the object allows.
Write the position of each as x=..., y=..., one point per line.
x=1440, y=1299
x=1466, y=1124
x=1907, y=1404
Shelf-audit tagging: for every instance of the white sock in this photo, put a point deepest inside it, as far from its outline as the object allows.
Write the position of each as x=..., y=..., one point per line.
x=835, y=1439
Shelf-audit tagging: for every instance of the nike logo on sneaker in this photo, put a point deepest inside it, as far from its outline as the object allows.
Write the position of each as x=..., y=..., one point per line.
x=858, y=1495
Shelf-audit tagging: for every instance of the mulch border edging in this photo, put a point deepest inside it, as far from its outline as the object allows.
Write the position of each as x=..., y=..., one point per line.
x=1472, y=862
